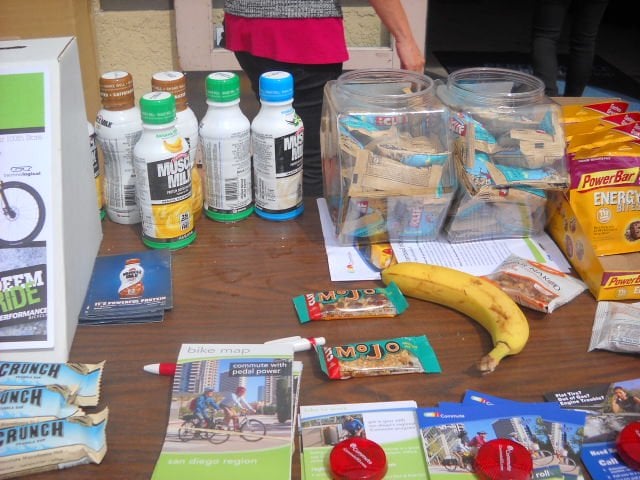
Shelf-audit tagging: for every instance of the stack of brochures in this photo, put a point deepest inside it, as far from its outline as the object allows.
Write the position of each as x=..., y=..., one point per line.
x=135, y=287
x=392, y=425
x=260, y=384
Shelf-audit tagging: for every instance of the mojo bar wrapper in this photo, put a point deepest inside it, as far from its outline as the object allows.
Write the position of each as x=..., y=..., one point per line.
x=52, y=445
x=391, y=356
x=87, y=377
x=357, y=303
x=37, y=404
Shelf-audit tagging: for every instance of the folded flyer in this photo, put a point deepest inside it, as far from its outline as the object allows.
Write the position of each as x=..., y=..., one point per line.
x=260, y=444
x=392, y=425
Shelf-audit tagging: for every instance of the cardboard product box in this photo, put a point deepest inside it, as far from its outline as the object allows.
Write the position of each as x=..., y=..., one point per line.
x=57, y=18
x=609, y=277
x=49, y=244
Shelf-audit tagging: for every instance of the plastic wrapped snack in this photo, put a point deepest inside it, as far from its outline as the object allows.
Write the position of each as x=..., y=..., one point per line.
x=355, y=303
x=535, y=285
x=87, y=377
x=391, y=356
x=37, y=404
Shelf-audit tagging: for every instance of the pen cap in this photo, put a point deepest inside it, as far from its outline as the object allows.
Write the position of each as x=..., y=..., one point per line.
x=503, y=459
x=307, y=343
x=628, y=445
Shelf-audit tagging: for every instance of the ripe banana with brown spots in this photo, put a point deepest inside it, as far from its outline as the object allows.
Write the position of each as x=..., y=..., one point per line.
x=474, y=296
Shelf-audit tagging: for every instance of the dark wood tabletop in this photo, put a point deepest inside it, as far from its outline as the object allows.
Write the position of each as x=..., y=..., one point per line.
x=235, y=284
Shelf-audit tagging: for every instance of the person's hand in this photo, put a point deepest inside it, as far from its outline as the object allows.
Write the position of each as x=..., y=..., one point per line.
x=411, y=57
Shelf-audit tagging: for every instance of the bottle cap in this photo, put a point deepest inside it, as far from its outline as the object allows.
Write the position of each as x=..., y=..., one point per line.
x=628, y=445
x=276, y=86
x=157, y=108
x=172, y=82
x=223, y=87
x=503, y=459
x=357, y=459
x=116, y=90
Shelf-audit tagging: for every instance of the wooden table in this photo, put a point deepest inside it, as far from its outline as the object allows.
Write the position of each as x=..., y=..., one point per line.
x=235, y=284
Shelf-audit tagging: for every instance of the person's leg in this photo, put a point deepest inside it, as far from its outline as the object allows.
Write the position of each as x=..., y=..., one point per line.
x=582, y=44
x=548, y=20
x=309, y=82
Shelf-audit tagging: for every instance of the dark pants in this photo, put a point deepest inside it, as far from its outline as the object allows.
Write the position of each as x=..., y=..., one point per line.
x=584, y=20
x=309, y=82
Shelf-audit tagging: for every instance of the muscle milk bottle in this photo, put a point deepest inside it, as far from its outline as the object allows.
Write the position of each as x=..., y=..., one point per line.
x=277, y=137
x=163, y=175
x=226, y=146
x=95, y=163
x=118, y=127
x=187, y=125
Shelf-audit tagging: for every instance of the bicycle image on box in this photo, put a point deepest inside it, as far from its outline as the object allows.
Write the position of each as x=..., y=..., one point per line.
x=23, y=214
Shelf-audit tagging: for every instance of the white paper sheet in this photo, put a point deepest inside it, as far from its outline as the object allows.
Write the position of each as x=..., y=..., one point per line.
x=476, y=258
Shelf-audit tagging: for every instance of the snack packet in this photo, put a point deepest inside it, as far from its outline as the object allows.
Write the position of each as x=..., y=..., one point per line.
x=620, y=134
x=357, y=303
x=390, y=356
x=535, y=285
x=86, y=376
x=580, y=113
x=599, y=124
x=52, y=445
x=37, y=404
x=616, y=327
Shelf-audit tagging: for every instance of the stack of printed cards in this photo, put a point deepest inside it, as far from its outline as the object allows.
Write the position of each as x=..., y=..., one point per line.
x=453, y=432
x=612, y=407
x=131, y=288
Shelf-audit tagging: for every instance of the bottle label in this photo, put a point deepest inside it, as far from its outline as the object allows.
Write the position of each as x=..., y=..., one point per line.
x=165, y=197
x=228, y=166
x=93, y=157
x=120, y=177
x=278, y=167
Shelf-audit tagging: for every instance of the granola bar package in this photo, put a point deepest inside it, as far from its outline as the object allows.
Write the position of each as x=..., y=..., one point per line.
x=37, y=404
x=535, y=285
x=52, y=445
x=87, y=377
x=390, y=356
x=356, y=303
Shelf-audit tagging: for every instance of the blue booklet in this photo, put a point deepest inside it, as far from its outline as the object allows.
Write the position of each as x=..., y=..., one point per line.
x=134, y=287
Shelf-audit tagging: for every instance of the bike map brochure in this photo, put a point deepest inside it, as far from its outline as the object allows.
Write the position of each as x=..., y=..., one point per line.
x=258, y=444
x=134, y=287
x=392, y=425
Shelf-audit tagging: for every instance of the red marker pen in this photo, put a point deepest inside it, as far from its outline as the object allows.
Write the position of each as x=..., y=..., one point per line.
x=299, y=344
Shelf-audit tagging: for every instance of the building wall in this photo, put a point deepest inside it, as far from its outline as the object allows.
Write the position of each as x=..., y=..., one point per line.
x=144, y=42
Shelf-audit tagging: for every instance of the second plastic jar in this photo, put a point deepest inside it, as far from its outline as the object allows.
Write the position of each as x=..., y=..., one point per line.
x=508, y=151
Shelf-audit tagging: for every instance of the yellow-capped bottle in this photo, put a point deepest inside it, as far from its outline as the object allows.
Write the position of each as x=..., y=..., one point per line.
x=163, y=175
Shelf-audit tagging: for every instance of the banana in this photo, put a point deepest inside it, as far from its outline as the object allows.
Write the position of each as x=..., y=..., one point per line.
x=474, y=296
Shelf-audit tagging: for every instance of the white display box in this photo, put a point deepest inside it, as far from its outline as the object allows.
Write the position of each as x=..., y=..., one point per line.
x=47, y=250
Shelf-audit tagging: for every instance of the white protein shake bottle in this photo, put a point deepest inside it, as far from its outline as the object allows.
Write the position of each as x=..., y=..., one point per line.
x=118, y=127
x=277, y=138
x=226, y=146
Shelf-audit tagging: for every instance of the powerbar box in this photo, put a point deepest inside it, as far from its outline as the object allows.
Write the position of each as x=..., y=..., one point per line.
x=609, y=277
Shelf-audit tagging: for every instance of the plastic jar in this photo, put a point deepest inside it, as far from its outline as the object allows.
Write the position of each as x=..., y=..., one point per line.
x=385, y=156
x=508, y=151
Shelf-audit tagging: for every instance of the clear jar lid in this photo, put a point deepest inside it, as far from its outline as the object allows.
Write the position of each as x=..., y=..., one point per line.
x=493, y=87
x=384, y=88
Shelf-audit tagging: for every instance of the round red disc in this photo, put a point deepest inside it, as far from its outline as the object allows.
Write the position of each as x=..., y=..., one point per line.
x=628, y=445
x=357, y=459
x=503, y=459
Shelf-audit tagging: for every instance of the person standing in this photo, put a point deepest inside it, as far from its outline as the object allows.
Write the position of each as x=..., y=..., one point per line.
x=306, y=38
x=549, y=18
